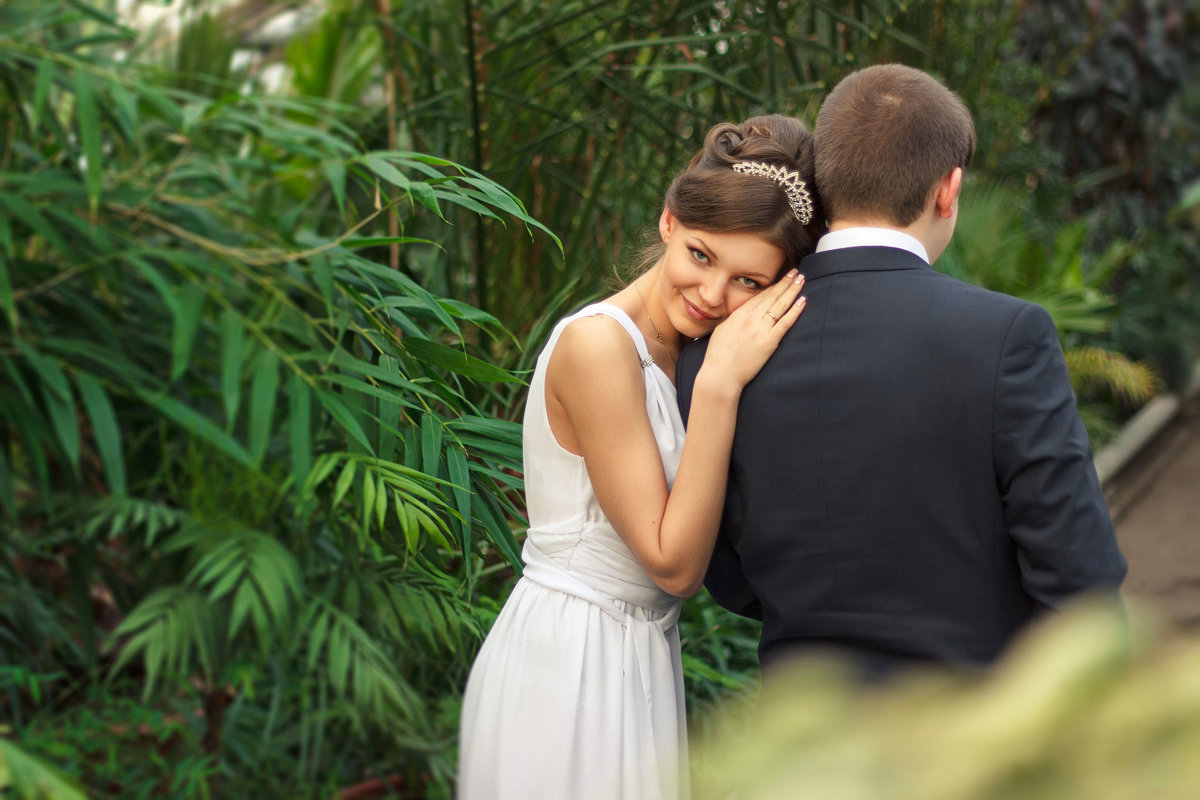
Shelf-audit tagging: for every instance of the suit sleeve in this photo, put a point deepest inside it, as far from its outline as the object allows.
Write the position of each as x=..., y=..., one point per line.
x=724, y=580
x=1054, y=507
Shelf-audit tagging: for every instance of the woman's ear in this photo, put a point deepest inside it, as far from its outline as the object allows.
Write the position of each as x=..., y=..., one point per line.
x=665, y=223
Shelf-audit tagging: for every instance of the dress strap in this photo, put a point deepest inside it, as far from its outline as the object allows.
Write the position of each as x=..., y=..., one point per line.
x=609, y=310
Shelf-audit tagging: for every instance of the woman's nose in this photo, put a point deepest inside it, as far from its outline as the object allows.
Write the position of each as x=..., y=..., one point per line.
x=712, y=292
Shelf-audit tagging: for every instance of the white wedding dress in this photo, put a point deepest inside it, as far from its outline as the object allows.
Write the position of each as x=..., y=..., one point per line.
x=577, y=693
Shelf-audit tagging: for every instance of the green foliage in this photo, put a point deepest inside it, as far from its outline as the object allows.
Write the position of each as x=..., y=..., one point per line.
x=587, y=107
x=31, y=778
x=720, y=659
x=1121, y=111
x=116, y=741
x=240, y=461
x=257, y=493
x=996, y=246
x=1160, y=293
x=1085, y=706
x=1116, y=107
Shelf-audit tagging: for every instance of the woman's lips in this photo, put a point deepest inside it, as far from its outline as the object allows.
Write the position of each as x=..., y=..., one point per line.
x=695, y=313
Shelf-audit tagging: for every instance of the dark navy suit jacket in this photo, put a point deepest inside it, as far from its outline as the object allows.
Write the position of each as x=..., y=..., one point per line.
x=910, y=479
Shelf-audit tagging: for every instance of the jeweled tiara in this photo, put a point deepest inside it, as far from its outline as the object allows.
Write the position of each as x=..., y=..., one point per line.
x=795, y=189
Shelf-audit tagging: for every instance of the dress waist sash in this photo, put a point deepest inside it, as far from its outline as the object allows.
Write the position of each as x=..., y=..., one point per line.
x=541, y=570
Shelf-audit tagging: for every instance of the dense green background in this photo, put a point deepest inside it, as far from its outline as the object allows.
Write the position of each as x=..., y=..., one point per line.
x=262, y=341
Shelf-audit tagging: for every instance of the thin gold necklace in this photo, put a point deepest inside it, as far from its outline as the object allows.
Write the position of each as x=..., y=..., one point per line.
x=650, y=316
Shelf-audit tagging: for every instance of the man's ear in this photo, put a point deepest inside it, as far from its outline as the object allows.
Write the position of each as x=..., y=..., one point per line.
x=665, y=223
x=947, y=193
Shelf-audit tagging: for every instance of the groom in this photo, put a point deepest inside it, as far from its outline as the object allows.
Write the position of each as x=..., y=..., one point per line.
x=910, y=480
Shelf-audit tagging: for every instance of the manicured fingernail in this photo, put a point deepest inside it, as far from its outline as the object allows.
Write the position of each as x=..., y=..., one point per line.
x=798, y=279
x=791, y=273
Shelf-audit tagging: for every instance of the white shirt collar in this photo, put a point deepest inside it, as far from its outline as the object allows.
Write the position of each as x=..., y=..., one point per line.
x=872, y=237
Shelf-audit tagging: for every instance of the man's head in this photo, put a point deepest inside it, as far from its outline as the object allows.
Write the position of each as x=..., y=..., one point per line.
x=885, y=137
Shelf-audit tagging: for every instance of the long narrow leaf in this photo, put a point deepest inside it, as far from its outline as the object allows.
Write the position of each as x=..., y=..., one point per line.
x=104, y=428
x=89, y=133
x=233, y=341
x=188, y=310
x=264, y=390
x=300, y=426
x=198, y=425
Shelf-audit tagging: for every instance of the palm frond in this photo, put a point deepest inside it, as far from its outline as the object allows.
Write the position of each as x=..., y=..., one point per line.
x=1096, y=369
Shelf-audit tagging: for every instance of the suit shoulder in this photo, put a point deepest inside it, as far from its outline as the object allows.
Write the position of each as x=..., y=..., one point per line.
x=988, y=301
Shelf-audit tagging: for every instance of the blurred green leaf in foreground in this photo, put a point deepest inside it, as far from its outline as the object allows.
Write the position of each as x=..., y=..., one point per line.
x=1088, y=705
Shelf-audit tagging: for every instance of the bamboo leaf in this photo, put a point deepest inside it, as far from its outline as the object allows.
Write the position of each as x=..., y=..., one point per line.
x=233, y=345
x=377, y=241
x=335, y=173
x=6, y=296
x=338, y=410
x=431, y=444
x=27, y=213
x=199, y=425
x=321, y=470
x=89, y=133
x=498, y=532
x=339, y=658
x=8, y=493
x=345, y=481
x=433, y=528
x=300, y=426
x=243, y=606
x=264, y=389
x=460, y=478
x=449, y=358
x=45, y=78
x=188, y=310
x=7, y=247
x=408, y=524
x=380, y=502
x=368, y=499
x=104, y=428
x=322, y=271
x=60, y=403
x=410, y=287
x=384, y=170
x=389, y=413
x=423, y=193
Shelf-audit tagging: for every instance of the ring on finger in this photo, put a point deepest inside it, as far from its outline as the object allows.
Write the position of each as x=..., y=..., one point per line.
x=772, y=316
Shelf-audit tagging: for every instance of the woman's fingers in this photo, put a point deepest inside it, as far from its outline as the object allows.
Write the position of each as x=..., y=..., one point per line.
x=791, y=315
x=784, y=302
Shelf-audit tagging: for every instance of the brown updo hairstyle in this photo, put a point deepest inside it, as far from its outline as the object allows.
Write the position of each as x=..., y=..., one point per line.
x=709, y=195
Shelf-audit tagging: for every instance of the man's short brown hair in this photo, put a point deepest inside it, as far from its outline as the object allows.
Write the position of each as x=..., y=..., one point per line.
x=885, y=136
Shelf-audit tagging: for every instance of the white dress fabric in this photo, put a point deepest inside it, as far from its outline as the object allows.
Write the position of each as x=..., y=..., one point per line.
x=577, y=692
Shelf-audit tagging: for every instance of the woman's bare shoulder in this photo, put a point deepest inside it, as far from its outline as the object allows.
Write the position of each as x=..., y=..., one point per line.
x=596, y=340
x=595, y=352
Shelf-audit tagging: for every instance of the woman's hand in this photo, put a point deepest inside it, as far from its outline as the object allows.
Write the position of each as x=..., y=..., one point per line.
x=743, y=342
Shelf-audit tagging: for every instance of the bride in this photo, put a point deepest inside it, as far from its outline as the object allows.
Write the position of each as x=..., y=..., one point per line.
x=577, y=691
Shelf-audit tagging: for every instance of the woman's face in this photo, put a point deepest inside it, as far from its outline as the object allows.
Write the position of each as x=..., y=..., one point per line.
x=706, y=276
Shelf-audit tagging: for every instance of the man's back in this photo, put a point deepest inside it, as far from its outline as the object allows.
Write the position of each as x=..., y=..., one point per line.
x=910, y=480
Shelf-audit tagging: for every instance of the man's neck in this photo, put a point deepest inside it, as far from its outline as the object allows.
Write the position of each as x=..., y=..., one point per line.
x=919, y=230
x=871, y=236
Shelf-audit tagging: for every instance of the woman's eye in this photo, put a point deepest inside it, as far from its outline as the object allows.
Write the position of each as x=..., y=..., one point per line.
x=748, y=283
x=699, y=255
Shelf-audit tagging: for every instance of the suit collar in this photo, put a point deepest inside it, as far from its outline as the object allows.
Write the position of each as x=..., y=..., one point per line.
x=862, y=236
x=859, y=259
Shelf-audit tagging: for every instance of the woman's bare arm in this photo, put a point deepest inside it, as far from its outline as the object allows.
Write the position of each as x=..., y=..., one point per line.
x=595, y=386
